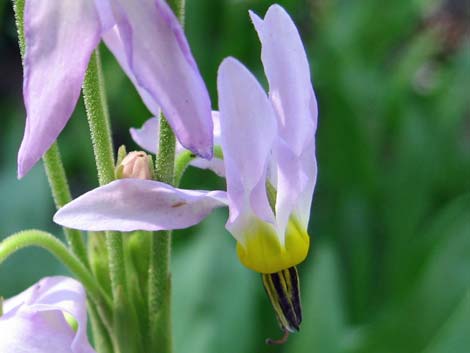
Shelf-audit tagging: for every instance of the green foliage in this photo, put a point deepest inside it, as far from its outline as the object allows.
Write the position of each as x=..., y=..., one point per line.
x=389, y=269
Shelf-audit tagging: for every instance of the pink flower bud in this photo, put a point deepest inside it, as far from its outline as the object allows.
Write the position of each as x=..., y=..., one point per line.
x=135, y=165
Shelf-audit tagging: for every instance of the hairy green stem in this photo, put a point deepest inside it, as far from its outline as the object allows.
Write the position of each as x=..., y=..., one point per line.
x=159, y=281
x=61, y=193
x=18, y=8
x=159, y=268
x=98, y=119
x=47, y=241
x=178, y=7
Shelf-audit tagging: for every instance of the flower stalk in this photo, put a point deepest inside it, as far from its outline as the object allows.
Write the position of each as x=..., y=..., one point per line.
x=159, y=301
x=159, y=287
x=98, y=120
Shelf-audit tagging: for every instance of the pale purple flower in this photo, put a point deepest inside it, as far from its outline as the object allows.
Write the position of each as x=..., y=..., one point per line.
x=34, y=321
x=267, y=142
x=147, y=40
x=148, y=135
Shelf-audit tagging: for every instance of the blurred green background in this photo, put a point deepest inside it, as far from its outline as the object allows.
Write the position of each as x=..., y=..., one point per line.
x=389, y=266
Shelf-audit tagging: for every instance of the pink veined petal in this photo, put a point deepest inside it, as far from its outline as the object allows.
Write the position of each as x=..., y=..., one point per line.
x=34, y=322
x=133, y=204
x=147, y=138
x=248, y=127
x=287, y=69
x=60, y=37
x=159, y=57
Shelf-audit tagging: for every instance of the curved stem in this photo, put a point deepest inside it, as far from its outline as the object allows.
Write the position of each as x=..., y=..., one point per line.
x=47, y=241
x=181, y=164
x=184, y=158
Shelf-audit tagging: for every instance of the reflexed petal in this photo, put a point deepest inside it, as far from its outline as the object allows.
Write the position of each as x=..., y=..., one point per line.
x=60, y=37
x=159, y=57
x=288, y=73
x=291, y=93
x=248, y=130
x=132, y=204
x=34, y=322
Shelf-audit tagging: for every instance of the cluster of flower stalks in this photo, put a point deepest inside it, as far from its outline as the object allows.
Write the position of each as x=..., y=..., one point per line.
x=263, y=144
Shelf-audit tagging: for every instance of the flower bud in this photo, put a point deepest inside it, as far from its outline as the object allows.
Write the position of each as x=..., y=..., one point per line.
x=135, y=165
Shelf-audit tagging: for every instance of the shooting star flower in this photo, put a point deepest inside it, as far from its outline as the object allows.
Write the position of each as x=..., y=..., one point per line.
x=268, y=144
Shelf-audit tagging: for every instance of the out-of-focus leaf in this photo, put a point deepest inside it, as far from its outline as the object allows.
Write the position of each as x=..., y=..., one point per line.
x=323, y=328
x=34, y=209
x=214, y=297
x=441, y=285
x=453, y=336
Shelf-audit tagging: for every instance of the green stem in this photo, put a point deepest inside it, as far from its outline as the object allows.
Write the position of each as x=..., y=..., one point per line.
x=159, y=267
x=184, y=158
x=101, y=339
x=18, y=8
x=182, y=162
x=47, y=241
x=61, y=193
x=159, y=281
x=98, y=119
x=178, y=7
